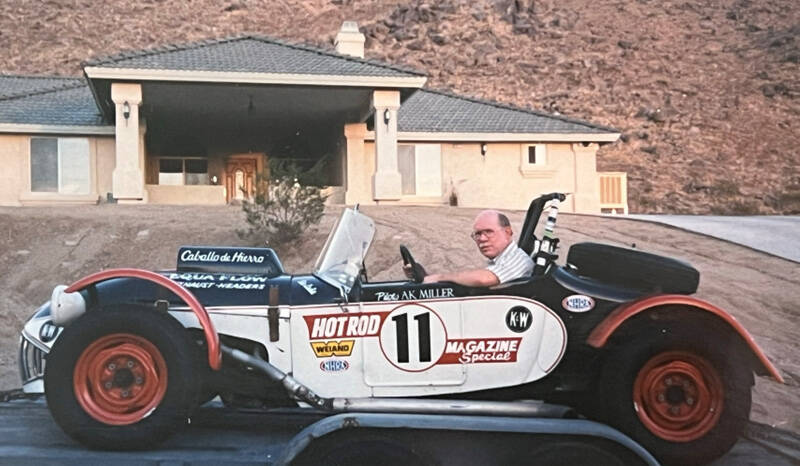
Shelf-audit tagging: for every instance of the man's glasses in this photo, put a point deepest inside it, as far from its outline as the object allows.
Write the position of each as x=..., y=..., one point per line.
x=476, y=235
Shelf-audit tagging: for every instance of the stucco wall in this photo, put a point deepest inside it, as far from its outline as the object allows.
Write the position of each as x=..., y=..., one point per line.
x=186, y=195
x=497, y=179
x=105, y=162
x=15, y=184
x=13, y=150
x=500, y=179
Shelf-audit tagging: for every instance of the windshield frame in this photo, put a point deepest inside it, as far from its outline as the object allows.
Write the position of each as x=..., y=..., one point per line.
x=342, y=257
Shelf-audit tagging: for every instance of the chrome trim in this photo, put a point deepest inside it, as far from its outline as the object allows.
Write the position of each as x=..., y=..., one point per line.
x=35, y=341
x=31, y=361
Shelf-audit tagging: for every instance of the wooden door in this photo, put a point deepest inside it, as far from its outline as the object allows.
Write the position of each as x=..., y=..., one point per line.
x=240, y=178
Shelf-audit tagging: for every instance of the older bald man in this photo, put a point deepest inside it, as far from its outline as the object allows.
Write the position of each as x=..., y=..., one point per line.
x=492, y=233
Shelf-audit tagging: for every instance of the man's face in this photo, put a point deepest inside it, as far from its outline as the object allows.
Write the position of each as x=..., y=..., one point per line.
x=490, y=237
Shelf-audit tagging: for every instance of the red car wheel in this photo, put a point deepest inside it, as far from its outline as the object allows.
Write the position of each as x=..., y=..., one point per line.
x=120, y=378
x=682, y=393
x=123, y=378
x=679, y=396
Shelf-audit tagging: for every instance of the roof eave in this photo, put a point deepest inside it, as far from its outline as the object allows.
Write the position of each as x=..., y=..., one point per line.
x=103, y=111
x=57, y=129
x=132, y=74
x=502, y=137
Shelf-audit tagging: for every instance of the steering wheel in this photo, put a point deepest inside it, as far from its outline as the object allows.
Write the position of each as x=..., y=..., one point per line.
x=417, y=271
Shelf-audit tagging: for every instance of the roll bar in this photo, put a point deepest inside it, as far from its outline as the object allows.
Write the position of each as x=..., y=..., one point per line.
x=527, y=237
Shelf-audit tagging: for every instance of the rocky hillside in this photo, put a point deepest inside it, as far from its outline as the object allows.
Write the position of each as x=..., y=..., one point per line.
x=706, y=94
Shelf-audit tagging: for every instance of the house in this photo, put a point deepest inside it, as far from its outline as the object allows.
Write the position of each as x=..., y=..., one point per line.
x=194, y=123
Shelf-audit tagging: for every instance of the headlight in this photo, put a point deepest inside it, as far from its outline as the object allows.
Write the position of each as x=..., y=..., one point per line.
x=38, y=335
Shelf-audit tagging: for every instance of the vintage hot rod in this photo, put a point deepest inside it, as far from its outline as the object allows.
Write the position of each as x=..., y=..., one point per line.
x=126, y=355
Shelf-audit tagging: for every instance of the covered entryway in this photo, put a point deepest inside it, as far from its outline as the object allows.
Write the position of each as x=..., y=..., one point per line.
x=181, y=114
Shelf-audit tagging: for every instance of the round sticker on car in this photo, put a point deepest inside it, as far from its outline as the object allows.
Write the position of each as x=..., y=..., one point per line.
x=578, y=303
x=518, y=319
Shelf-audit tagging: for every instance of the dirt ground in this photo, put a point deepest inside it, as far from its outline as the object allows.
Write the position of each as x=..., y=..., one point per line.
x=44, y=246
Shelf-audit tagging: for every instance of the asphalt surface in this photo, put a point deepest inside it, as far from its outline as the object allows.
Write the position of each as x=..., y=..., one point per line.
x=773, y=234
x=218, y=435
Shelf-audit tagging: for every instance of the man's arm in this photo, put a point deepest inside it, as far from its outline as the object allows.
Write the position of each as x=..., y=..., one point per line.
x=476, y=277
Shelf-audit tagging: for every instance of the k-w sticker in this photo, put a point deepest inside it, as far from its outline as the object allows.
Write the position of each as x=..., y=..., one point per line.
x=578, y=303
x=518, y=319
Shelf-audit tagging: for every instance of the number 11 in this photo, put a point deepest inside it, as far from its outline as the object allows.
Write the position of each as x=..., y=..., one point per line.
x=424, y=330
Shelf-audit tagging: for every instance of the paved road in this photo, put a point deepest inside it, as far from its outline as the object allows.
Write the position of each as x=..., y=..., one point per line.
x=217, y=435
x=775, y=234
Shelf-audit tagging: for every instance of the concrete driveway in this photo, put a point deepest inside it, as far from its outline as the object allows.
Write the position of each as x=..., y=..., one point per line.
x=774, y=234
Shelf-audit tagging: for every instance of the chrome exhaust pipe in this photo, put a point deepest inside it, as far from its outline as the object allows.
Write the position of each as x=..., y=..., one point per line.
x=295, y=388
x=401, y=405
x=460, y=407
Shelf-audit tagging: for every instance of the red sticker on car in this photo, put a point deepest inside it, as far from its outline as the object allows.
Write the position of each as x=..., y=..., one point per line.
x=480, y=350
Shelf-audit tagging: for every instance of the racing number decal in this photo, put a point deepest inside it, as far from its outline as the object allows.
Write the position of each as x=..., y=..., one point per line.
x=413, y=337
x=423, y=335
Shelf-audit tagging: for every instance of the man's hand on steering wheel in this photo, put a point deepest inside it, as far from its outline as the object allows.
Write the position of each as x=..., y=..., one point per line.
x=411, y=268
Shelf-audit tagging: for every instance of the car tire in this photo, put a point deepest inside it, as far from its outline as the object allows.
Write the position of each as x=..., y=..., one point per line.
x=679, y=393
x=123, y=378
x=633, y=269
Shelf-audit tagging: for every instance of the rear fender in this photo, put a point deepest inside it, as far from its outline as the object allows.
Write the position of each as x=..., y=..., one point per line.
x=605, y=329
x=212, y=338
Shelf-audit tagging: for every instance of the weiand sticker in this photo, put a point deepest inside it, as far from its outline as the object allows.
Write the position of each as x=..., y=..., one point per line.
x=326, y=349
x=578, y=303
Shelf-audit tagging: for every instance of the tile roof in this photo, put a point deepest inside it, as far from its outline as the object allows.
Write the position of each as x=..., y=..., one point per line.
x=41, y=100
x=251, y=54
x=16, y=85
x=441, y=112
x=37, y=100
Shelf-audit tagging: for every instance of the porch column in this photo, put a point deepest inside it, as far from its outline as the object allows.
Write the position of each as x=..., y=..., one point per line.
x=127, y=182
x=359, y=168
x=587, y=181
x=386, y=182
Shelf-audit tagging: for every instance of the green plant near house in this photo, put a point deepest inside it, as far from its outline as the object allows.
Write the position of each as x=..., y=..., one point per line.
x=282, y=207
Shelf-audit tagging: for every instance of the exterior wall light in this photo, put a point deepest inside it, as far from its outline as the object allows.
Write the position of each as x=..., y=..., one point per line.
x=484, y=148
x=387, y=115
x=126, y=110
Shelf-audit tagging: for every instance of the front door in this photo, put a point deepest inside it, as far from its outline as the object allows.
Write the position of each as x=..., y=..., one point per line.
x=240, y=177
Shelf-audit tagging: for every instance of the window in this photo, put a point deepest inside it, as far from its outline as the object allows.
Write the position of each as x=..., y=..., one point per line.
x=533, y=161
x=60, y=165
x=536, y=155
x=420, y=167
x=179, y=172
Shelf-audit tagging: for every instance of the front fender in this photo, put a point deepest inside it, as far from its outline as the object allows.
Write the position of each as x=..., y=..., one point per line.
x=212, y=338
x=600, y=335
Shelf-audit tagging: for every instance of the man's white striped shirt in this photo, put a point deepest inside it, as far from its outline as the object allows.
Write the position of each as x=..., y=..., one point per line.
x=511, y=263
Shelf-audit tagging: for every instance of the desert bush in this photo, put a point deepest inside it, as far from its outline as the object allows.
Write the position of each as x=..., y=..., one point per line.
x=283, y=207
